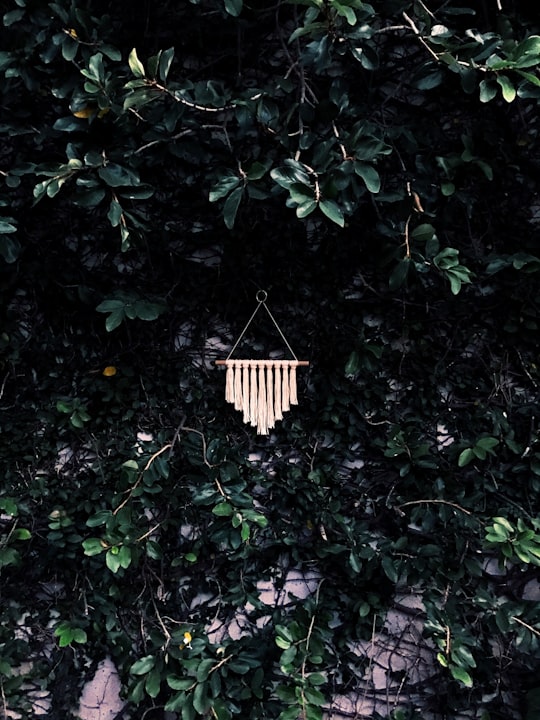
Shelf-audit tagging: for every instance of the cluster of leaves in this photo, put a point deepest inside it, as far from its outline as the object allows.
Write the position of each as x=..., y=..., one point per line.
x=373, y=168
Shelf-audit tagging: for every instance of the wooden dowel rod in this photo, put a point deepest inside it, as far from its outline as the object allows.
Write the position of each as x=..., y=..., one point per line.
x=304, y=363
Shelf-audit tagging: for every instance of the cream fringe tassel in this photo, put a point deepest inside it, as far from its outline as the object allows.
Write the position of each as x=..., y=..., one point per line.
x=262, y=390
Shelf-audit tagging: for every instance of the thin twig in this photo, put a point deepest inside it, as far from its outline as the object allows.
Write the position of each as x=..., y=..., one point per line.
x=433, y=502
x=205, y=459
x=529, y=627
x=3, y=386
x=416, y=31
x=162, y=140
x=167, y=634
x=150, y=532
x=371, y=655
x=308, y=638
x=406, y=236
x=4, y=703
x=189, y=103
x=344, y=153
x=141, y=475
x=203, y=441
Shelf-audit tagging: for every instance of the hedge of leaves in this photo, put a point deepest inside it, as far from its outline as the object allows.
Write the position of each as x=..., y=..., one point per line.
x=374, y=169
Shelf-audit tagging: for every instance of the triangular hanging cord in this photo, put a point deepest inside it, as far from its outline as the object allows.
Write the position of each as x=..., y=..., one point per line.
x=261, y=299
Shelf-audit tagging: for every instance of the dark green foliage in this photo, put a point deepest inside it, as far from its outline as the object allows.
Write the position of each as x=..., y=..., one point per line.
x=374, y=168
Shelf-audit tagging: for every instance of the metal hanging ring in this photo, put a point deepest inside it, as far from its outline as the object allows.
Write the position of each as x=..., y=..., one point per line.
x=261, y=296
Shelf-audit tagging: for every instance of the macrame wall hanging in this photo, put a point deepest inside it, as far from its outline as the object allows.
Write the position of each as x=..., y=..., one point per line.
x=262, y=390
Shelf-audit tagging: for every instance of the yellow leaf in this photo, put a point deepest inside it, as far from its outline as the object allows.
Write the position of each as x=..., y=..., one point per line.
x=72, y=33
x=103, y=112
x=109, y=371
x=84, y=112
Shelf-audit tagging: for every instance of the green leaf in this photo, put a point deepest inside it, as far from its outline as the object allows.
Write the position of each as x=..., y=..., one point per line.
x=114, y=320
x=89, y=198
x=115, y=213
x=115, y=175
x=257, y=170
x=487, y=443
x=124, y=556
x=143, y=665
x=301, y=193
x=10, y=249
x=465, y=457
x=314, y=696
x=165, y=62
x=508, y=89
x=148, y=311
x=9, y=556
x=332, y=211
x=488, y=90
x=9, y=506
x=22, y=534
x=6, y=227
x=111, y=52
x=355, y=562
x=305, y=208
x=79, y=636
x=369, y=175
x=203, y=670
x=153, y=550
x=461, y=675
x=353, y=364
x=201, y=701
x=231, y=206
x=448, y=188
x=93, y=546
x=96, y=67
x=423, y=232
x=112, y=560
x=399, y=274
x=455, y=283
x=316, y=679
x=99, y=518
x=292, y=172
x=389, y=567
x=12, y=17
x=504, y=523
x=153, y=682
x=136, y=66
x=234, y=7
x=223, y=187
x=286, y=694
x=224, y=509
x=176, y=703
x=221, y=710
x=462, y=656
x=442, y=659
x=179, y=683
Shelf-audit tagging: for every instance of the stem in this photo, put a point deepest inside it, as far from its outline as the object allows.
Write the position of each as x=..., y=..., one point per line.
x=529, y=627
x=434, y=502
x=141, y=475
